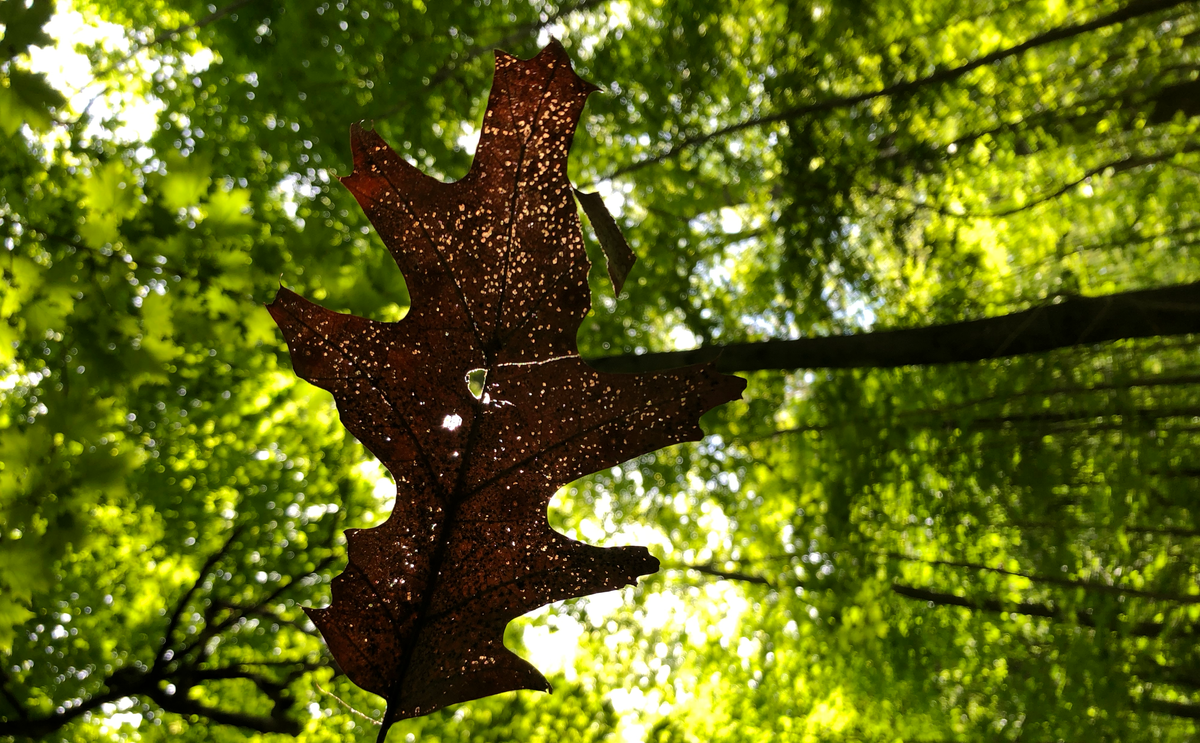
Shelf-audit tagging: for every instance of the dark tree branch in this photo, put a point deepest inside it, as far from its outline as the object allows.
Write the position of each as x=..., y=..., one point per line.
x=1044, y=422
x=182, y=668
x=1123, y=165
x=130, y=682
x=165, y=652
x=242, y=671
x=273, y=689
x=1173, y=675
x=1174, y=709
x=1043, y=419
x=277, y=722
x=1181, y=98
x=1046, y=393
x=1173, y=310
x=215, y=628
x=1170, y=531
x=1161, y=104
x=41, y=727
x=1139, y=629
x=1094, y=109
x=263, y=611
x=1065, y=582
x=1129, y=12
x=17, y=705
x=726, y=575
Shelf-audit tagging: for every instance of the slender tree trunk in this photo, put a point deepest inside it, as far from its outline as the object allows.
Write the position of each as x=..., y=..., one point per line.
x=1178, y=380
x=1173, y=675
x=1129, y=419
x=1175, y=709
x=1173, y=310
x=1065, y=582
x=1182, y=98
x=1140, y=629
x=1045, y=423
x=726, y=574
x=1063, y=526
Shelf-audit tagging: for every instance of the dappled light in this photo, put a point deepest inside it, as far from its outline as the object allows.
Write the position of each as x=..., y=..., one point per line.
x=952, y=247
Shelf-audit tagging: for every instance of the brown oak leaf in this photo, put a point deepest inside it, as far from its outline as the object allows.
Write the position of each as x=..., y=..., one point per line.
x=497, y=272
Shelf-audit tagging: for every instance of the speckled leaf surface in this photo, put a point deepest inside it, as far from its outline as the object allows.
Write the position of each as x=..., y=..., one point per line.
x=496, y=268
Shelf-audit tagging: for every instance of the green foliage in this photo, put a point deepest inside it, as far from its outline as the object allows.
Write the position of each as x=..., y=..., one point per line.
x=1002, y=550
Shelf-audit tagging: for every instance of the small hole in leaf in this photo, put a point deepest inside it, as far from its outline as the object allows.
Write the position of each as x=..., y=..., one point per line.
x=476, y=378
x=452, y=421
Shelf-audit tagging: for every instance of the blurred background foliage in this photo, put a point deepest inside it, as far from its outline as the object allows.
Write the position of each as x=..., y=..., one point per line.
x=999, y=550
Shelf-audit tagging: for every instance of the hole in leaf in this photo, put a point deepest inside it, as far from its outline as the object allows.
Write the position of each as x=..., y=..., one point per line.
x=452, y=421
x=476, y=378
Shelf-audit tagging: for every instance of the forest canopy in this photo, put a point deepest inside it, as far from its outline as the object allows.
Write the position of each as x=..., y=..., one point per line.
x=951, y=246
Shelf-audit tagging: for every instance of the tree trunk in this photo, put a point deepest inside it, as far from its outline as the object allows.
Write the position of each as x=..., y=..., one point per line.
x=1065, y=582
x=1175, y=709
x=1139, y=629
x=1173, y=310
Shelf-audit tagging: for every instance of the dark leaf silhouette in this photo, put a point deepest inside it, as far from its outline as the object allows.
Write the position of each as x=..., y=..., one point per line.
x=618, y=255
x=496, y=268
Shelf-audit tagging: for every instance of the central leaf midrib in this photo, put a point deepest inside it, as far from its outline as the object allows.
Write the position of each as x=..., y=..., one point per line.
x=512, y=214
x=451, y=506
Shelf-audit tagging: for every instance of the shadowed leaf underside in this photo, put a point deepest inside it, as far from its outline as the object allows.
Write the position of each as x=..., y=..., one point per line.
x=497, y=272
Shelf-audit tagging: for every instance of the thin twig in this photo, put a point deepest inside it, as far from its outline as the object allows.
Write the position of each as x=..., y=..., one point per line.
x=724, y=574
x=346, y=704
x=1065, y=582
x=173, y=624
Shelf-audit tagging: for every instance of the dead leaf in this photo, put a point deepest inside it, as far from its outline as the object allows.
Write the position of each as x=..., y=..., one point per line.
x=496, y=268
x=618, y=255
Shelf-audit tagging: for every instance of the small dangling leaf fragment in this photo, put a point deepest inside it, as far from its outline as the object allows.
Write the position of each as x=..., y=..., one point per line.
x=617, y=254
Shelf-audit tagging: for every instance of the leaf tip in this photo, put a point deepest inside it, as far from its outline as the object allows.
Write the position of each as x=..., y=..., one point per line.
x=362, y=140
x=653, y=564
x=281, y=296
x=555, y=50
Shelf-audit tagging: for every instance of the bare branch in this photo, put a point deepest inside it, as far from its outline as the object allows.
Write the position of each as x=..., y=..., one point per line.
x=277, y=722
x=1137, y=629
x=236, y=612
x=1075, y=320
x=242, y=670
x=1124, y=165
x=1175, y=709
x=724, y=574
x=263, y=611
x=41, y=727
x=173, y=623
x=22, y=713
x=1086, y=585
x=182, y=669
